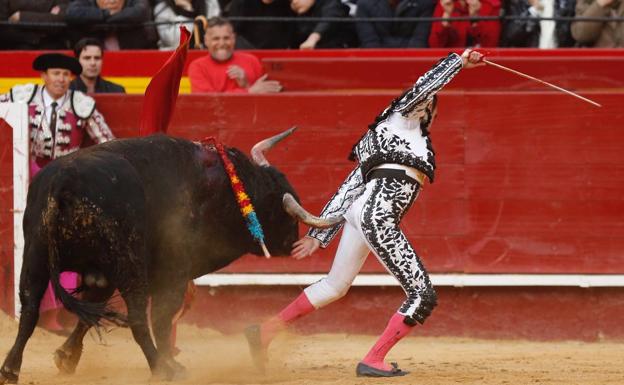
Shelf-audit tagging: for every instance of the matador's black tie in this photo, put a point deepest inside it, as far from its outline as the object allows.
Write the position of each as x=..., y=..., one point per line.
x=53, y=118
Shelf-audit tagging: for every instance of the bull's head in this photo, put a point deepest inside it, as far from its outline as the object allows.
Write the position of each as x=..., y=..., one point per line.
x=284, y=219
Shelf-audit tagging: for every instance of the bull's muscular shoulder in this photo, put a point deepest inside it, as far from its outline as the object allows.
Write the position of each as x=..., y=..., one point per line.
x=82, y=105
x=23, y=93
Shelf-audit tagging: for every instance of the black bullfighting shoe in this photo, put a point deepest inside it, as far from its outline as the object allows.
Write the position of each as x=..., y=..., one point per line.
x=257, y=351
x=363, y=370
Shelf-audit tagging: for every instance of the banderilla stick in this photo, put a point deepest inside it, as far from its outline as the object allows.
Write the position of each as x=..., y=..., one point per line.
x=541, y=81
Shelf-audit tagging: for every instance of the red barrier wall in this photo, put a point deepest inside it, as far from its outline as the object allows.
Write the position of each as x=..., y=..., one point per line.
x=320, y=70
x=526, y=182
x=533, y=313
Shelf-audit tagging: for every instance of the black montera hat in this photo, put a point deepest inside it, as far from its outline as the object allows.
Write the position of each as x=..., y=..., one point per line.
x=57, y=60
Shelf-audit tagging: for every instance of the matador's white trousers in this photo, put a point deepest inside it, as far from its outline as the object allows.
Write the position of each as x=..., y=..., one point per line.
x=372, y=224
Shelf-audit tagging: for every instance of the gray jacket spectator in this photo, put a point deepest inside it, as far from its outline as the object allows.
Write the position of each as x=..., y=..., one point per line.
x=601, y=34
x=119, y=24
x=261, y=34
x=396, y=34
x=17, y=36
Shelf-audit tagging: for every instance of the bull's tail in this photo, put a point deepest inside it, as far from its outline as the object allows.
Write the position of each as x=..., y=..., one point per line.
x=91, y=313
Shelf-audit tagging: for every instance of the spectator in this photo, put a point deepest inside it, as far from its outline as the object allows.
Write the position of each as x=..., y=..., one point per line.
x=398, y=34
x=261, y=34
x=321, y=34
x=225, y=70
x=172, y=13
x=447, y=34
x=601, y=34
x=531, y=32
x=59, y=120
x=118, y=23
x=563, y=28
x=17, y=36
x=90, y=52
x=521, y=32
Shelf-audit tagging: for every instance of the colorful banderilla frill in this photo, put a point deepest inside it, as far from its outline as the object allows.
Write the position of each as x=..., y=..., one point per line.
x=244, y=202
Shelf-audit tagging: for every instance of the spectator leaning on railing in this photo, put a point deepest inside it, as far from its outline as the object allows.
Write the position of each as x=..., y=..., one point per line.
x=18, y=36
x=602, y=34
x=398, y=33
x=118, y=23
x=446, y=34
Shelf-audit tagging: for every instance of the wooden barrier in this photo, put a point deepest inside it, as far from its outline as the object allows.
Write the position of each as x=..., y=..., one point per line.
x=340, y=70
x=526, y=183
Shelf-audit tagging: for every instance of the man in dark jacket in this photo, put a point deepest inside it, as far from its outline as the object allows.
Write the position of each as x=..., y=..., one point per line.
x=17, y=36
x=261, y=34
x=90, y=52
x=309, y=34
x=398, y=33
x=118, y=23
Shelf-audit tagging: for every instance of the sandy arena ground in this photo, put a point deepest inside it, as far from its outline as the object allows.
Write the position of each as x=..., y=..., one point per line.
x=212, y=358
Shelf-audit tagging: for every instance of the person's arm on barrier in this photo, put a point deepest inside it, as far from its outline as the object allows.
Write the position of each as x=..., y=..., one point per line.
x=587, y=32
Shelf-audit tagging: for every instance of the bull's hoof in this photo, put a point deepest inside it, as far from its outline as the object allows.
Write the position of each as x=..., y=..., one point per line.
x=7, y=377
x=169, y=370
x=66, y=361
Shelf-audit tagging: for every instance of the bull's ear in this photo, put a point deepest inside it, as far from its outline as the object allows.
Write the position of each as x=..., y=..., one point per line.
x=293, y=208
x=257, y=151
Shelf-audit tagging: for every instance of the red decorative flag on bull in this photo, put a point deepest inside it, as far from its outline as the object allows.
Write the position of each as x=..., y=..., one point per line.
x=162, y=92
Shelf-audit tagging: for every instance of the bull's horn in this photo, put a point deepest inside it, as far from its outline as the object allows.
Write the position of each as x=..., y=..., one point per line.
x=295, y=210
x=257, y=151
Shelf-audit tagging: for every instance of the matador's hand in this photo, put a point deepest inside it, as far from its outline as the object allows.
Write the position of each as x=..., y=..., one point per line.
x=305, y=247
x=472, y=58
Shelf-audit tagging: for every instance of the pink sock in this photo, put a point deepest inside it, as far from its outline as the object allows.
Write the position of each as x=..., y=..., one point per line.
x=295, y=310
x=395, y=330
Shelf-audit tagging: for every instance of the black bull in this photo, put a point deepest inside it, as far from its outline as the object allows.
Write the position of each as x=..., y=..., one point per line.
x=145, y=216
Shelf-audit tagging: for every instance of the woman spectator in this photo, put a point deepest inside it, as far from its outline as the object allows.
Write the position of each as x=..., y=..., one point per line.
x=172, y=13
x=472, y=33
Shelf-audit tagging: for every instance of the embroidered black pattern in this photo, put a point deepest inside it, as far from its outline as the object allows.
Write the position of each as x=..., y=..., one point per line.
x=380, y=145
x=349, y=191
x=382, y=213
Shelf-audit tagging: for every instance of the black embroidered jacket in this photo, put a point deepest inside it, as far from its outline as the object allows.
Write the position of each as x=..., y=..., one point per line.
x=399, y=135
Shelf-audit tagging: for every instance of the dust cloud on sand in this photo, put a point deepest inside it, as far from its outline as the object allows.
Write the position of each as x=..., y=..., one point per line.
x=213, y=358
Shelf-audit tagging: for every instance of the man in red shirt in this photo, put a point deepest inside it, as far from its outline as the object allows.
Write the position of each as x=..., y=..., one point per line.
x=225, y=70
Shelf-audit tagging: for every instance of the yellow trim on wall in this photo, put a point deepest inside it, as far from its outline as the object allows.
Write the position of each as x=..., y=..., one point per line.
x=133, y=85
